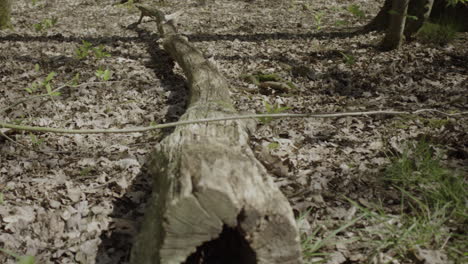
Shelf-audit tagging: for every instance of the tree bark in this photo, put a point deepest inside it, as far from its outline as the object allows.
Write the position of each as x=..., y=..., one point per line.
x=5, y=14
x=394, y=36
x=212, y=201
x=421, y=10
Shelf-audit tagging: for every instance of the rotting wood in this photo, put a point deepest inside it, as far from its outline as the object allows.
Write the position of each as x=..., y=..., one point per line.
x=212, y=201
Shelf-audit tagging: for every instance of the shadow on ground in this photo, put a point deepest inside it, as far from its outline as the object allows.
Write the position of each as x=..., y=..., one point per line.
x=129, y=210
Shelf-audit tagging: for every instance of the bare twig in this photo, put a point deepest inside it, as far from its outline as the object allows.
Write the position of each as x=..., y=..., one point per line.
x=207, y=120
x=11, y=140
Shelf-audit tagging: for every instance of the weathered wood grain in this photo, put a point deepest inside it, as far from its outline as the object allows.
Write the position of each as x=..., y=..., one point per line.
x=212, y=201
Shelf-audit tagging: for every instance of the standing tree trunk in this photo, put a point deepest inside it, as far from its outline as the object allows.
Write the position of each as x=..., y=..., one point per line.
x=5, y=14
x=212, y=200
x=420, y=10
x=394, y=36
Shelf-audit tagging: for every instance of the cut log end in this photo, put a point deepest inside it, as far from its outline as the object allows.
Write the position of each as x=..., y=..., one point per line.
x=192, y=231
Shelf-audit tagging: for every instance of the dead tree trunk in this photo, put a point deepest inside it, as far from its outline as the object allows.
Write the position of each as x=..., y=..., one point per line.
x=212, y=201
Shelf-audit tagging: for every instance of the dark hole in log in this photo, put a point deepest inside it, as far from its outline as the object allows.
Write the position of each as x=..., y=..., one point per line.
x=229, y=248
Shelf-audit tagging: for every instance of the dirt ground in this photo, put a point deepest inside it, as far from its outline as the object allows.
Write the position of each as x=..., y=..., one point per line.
x=79, y=198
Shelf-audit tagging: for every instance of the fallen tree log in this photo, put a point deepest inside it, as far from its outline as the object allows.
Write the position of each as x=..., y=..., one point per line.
x=212, y=200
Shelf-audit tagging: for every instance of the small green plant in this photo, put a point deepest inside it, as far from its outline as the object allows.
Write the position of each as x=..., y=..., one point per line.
x=318, y=16
x=438, y=123
x=86, y=48
x=45, y=24
x=83, y=50
x=272, y=109
x=305, y=7
x=34, y=2
x=38, y=27
x=273, y=145
x=419, y=171
x=2, y=201
x=46, y=83
x=408, y=16
x=75, y=80
x=35, y=140
x=348, y=59
x=411, y=17
x=260, y=77
x=440, y=34
x=341, y=23
x=100, y=53
x=356, y=11
x=272, y=77
x=86, y=171
x=104, y=75
x=20, y=259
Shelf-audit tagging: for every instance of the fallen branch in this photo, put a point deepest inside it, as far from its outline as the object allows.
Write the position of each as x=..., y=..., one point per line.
x=209, y=120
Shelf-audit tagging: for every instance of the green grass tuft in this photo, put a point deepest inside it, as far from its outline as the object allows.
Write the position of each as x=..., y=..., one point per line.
x=430, y=220
x=441, y=33
x=419, y=171
x=433, y=206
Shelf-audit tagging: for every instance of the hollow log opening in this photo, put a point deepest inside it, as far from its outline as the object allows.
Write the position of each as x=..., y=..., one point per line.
x=229, y=248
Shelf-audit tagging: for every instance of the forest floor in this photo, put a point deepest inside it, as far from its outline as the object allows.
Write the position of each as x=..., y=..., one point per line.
x=79, y=198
